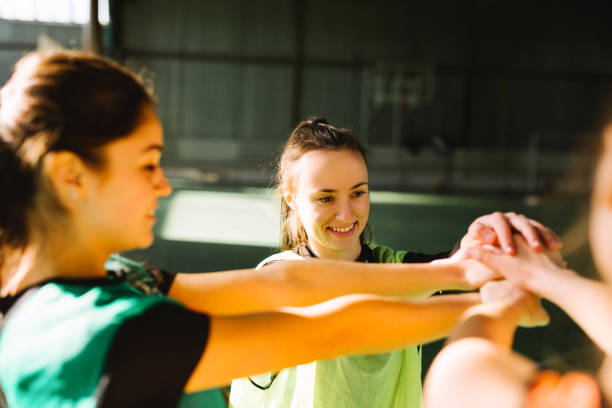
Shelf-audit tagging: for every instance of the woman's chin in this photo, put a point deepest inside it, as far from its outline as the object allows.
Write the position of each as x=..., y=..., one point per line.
x=141, y=243
x=346, y=246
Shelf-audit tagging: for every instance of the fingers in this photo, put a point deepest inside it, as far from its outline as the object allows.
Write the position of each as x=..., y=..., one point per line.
x=523, y=225
x=503, y=231
x=498, y=228
x=552, y=241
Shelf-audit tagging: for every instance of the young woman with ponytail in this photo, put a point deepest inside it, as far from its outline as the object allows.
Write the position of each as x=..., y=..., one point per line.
x=323, y=180
x=80, y=176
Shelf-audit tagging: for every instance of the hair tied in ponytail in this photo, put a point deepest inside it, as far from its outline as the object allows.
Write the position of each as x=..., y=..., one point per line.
x=18, y=187
x=318, y=121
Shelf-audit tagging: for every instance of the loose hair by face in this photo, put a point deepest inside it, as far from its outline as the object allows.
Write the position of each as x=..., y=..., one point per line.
x=308, y=136
x=58, y=102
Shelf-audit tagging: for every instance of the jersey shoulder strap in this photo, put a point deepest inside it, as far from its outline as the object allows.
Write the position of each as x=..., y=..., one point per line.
x=281, y=256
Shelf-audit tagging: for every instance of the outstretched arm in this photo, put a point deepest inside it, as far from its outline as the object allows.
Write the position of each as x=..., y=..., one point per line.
x=586, y=301
x=307, y=282
x=245, y=345
x=478, y=367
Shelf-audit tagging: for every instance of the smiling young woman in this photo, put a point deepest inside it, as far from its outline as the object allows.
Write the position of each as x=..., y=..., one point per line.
x=323, y=180
x=329, y=194
x=79, y=158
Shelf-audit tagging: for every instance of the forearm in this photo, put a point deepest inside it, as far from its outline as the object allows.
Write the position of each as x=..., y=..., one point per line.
x=495, y=322
x=233, y=292
x=304, y=283
x=586, y=301
x=381, y=324
x=244, y=345
x=326, y=279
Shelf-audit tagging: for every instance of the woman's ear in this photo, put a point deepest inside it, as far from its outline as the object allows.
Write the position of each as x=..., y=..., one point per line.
x=65, y=172
x=289, y=199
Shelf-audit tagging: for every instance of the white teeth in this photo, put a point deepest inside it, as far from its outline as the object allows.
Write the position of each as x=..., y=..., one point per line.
x=345, y=229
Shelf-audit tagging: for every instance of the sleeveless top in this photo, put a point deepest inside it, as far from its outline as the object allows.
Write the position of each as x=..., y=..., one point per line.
x=383, y=380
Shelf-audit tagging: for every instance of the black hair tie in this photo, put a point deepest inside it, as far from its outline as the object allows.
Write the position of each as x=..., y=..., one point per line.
x=318, y=121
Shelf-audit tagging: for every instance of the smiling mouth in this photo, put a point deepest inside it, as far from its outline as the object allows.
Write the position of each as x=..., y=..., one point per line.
x=343, y=230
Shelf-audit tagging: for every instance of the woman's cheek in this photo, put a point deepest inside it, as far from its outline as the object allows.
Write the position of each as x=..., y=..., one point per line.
x=365, y=208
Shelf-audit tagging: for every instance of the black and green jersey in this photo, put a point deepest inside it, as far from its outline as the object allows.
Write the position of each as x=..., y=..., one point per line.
x=96, y=343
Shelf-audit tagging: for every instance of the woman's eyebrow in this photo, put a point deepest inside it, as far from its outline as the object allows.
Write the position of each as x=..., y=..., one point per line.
x=364, y=183
x=157, y=147
x=328, y=190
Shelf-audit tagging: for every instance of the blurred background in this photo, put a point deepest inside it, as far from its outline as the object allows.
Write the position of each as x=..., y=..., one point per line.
x=466, y=107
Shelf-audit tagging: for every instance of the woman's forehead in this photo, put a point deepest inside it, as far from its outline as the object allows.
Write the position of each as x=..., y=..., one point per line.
x=324, y=169
x=331, y=158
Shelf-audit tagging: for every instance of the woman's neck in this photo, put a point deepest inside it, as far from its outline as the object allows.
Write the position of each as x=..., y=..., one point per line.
x=349, y=254
x=51, y=258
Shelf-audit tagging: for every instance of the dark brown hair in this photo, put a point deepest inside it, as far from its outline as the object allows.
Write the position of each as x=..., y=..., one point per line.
x=58, y=102
x=310, y=135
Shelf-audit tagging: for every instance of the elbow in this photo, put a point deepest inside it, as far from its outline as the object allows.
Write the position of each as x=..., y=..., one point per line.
x=290, y=281
x=284, y=283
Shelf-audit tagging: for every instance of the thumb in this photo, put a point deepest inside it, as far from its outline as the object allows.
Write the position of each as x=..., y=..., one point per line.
x=482, y=233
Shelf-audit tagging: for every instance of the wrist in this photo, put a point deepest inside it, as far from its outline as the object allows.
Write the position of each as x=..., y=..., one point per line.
x=441, y=274
x=508, y=311
x=455, y=277
x=549, y=284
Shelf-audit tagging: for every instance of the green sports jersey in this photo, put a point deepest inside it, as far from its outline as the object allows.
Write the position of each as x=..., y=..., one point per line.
x=365, y=381
x=141, y=279
x=55, y=340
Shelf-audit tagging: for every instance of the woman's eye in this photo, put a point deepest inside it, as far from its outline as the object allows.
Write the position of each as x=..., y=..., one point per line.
x=358, y=194
x=325, y=199
x=150, y=168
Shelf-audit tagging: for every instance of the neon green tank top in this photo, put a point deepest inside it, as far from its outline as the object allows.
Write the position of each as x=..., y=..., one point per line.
x=386, y=380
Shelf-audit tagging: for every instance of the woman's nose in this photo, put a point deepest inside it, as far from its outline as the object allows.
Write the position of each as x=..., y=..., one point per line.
x=345, y=211
x=163, y=185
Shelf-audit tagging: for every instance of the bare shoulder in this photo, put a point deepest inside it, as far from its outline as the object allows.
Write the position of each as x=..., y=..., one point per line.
x=475, y=372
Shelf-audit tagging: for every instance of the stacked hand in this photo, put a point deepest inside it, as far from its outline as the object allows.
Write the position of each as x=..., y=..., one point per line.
x=498, y=229
x=503, y=292
x=522, y=251
x=527, y=269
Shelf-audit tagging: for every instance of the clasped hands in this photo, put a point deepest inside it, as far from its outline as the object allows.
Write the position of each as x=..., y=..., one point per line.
x=509, y=257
